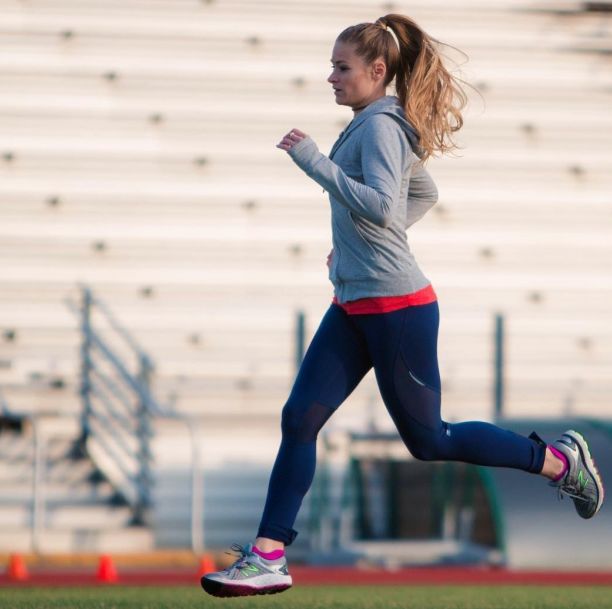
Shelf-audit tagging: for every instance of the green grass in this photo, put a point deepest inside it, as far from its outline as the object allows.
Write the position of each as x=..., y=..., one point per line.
x=328, y=597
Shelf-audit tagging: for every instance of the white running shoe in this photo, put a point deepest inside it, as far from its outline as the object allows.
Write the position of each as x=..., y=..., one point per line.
x=251, y=574
x=582, y=481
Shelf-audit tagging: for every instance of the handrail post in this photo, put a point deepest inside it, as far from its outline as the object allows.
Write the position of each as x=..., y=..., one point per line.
x=498, y=370
x=197, y=482
x=38, y=481
x=143, y=431
x=300, y=338
x=86, y=365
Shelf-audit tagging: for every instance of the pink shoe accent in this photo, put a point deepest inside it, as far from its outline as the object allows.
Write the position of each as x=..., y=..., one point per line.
x=269, y=555
x=563, y=458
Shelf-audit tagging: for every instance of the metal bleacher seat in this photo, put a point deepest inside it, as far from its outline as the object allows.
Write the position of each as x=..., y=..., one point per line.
x=138, y=156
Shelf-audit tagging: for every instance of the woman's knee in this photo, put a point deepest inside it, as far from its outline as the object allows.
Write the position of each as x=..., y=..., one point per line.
x=303, y=419
x=424, y=452
x=427, y=445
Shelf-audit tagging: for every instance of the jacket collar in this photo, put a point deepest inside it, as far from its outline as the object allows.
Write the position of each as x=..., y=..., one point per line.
x=376, y=106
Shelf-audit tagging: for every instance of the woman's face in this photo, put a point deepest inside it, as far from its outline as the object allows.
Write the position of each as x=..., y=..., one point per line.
x=355, y=83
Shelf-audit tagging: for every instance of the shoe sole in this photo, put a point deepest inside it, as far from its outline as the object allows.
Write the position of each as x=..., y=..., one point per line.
x=222, y=590
x=583, y=447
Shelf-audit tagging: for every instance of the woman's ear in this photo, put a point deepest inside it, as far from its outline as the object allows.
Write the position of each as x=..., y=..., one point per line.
x=379, y=69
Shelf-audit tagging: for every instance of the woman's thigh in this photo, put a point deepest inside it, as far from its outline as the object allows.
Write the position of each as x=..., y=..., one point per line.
x=403, y=347
x=335, y=362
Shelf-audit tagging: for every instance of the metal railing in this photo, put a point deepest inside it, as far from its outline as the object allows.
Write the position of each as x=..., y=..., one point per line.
x=119, y=410
x=118, y=404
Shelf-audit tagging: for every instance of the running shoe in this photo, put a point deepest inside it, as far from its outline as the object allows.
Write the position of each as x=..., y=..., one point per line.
x=582, y=481
x=251, y=574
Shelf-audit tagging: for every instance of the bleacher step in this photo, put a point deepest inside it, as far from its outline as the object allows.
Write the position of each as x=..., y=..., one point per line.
x=82, y=539
x=81, y=493
x=93, y=516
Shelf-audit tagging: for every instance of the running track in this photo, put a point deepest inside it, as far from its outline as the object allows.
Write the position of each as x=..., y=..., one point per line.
x=311, y=576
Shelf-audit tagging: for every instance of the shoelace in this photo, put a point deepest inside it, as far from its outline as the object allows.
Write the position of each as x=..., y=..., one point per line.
x=570, y=491
x=241, y=562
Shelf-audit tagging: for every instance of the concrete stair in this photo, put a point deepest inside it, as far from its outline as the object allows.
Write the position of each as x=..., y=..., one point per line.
x=78, y=511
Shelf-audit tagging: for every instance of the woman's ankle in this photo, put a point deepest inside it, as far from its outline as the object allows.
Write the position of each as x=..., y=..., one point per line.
x=268, y=545
x=555, y=464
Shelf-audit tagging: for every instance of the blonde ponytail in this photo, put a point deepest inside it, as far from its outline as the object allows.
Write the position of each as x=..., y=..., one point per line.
x=431, y=96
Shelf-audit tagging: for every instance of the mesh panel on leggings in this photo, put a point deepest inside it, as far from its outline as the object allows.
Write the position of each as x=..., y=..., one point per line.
x=416, y=399
x=304, y=426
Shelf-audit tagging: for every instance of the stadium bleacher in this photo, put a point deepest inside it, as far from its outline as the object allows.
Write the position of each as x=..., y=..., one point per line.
x=138, y=157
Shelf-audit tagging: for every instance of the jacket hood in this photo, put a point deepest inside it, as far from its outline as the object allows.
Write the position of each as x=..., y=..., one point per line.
x=389, y=104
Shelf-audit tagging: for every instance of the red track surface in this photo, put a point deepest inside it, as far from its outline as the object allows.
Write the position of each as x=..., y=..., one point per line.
x=306, y=576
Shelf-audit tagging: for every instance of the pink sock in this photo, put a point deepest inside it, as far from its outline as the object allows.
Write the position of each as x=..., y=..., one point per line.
x=563, y=458
x=269, y=555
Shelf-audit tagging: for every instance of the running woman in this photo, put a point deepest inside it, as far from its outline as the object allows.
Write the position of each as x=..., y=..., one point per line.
x=384, y=314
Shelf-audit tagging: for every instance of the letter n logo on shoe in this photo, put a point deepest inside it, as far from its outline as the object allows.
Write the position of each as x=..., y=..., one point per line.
x=582, y=481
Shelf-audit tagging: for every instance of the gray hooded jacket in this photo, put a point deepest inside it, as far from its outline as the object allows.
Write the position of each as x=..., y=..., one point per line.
x=377, y=189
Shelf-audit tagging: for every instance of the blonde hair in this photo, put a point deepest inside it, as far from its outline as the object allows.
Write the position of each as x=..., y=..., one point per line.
x=431, y=96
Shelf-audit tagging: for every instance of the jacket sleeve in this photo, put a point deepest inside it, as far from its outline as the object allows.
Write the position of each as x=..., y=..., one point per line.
x=384, y=152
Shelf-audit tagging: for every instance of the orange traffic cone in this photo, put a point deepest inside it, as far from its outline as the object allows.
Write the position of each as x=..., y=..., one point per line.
x=207, y=565
x=17, y=570
x=107, y=572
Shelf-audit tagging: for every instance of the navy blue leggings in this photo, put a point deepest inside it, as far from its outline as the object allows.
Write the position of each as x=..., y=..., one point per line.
x=402, y=348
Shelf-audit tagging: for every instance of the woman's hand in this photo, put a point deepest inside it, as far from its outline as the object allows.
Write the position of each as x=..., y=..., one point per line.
x=291, y=139
x=329, y=258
